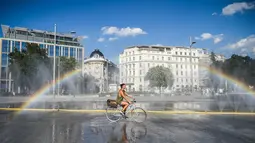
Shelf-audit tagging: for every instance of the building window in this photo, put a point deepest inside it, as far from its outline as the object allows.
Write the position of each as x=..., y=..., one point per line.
x=3, y=72
x=41, y=46
x=181, y=73
x=133, y=58
x=71, y=52
x=176, y=66
x=176, y=53
x=140, y=57
x=66, y=51
x=4, y=59
x=129, y=58
x=57, y=51
x=162, y=58
x=180, y=53
x=140, y=79
x=157, y=58
x=140, y=65
x=176, y=72
x=23, y=45
x=181, y=66
x=17, y=45
x=152, y=57
x=148, y=65
x=5, y=46
x=50, y=50
x=133, y=72
x=140, y=72
x=80, y=54
x=185, y=53
x=169, y=58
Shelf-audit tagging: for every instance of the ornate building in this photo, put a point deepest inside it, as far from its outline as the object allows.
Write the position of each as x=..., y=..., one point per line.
x=102, y=70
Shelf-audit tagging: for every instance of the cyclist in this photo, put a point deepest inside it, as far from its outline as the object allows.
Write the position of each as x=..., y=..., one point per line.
x=123, y=95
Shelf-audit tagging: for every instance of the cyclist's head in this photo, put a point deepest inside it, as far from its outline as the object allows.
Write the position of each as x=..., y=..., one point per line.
x=123, y=86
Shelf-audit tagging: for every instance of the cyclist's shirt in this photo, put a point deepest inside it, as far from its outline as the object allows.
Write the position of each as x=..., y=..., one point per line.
x=119, y=97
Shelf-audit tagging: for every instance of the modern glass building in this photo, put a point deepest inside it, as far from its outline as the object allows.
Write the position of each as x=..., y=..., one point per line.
x=66, y=45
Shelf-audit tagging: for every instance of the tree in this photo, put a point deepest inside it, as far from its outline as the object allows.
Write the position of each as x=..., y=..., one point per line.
x=30, y=67
x=160, y=77
x=67, y=64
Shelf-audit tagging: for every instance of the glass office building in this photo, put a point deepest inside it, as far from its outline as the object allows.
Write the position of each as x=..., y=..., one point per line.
x=66, y=45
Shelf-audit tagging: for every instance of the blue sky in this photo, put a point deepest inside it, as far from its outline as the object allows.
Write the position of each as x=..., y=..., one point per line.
x=226, y=26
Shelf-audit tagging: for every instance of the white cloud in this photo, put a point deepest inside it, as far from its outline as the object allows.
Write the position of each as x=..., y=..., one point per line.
x=122, y=32
x=157, y=45
x=100, y=39
x=82, y=37
x=113, y=38
x=206, y=36
x=231, y=9
x=85, y=37
x=245, y=43
x=214, y=13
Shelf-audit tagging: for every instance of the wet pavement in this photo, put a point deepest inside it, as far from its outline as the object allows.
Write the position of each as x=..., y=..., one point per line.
x=61, y=127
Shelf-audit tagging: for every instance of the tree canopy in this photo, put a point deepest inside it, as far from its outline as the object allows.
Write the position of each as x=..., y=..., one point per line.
x=29, y=66
x=241, y=68
x=159, y=77
x=67, y=64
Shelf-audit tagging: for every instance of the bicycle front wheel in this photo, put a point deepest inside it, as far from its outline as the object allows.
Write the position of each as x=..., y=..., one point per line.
x=139, y=115
x=113, y=114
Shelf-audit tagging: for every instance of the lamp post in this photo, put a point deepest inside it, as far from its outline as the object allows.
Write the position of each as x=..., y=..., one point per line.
x=191, y=69
x=54, y=58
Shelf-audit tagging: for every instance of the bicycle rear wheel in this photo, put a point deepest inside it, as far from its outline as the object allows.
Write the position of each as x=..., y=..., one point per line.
x=113, y=114
x=138, y=115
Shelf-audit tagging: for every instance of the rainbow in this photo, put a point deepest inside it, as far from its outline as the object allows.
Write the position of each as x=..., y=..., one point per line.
x=45, y=89
x=229, y=78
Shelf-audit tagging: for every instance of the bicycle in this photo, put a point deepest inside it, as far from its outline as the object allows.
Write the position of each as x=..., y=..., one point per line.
x=132, y=112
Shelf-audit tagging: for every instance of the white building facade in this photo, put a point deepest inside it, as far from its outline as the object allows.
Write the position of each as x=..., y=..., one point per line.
x=136, y=61
x=104, y=71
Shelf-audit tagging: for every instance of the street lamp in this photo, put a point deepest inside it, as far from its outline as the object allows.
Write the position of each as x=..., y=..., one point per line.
x=54, y=58
x=191, y=69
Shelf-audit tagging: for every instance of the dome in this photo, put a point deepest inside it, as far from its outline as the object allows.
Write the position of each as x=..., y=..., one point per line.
x=96, y=53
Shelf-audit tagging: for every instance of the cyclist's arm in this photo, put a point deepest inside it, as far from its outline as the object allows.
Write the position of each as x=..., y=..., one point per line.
x=125, y=97
x=129, y=96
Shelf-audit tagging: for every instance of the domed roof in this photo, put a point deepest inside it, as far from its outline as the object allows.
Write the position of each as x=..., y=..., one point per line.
x=96, y=52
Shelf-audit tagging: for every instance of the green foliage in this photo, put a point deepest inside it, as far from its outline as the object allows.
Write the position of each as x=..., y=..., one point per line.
x=67, y=64
x=160, y=76
x=239, y=67
x=213, y=57
x=25, y=66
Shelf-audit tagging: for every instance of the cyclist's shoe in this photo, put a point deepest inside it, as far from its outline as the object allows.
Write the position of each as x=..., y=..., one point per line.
x=123, y=114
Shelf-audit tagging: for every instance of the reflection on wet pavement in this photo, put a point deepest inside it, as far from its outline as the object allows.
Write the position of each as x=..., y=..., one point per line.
x=57, y=127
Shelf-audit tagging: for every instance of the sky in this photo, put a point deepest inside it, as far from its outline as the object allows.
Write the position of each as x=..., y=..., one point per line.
x=223, y=26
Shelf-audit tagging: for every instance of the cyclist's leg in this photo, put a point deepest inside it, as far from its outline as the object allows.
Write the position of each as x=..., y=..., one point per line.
x=124, y=104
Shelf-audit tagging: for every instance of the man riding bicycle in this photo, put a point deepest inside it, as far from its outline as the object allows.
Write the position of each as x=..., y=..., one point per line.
x=123, y=95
